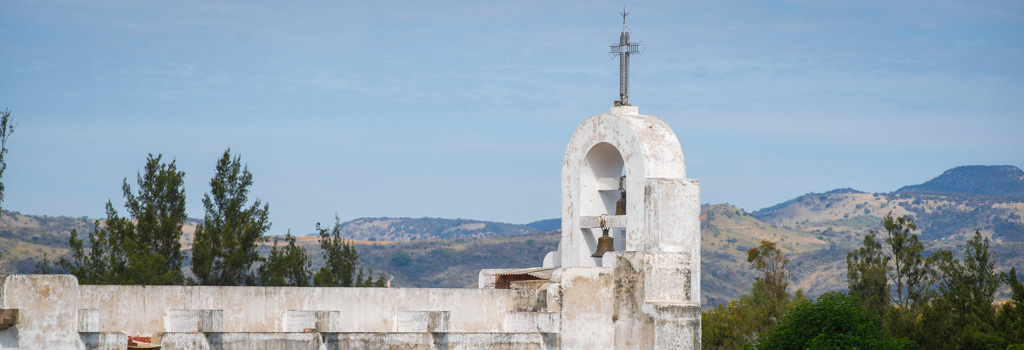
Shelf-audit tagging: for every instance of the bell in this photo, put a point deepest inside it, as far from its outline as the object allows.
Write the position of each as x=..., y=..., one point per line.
x=604, y=244
x=620, y=205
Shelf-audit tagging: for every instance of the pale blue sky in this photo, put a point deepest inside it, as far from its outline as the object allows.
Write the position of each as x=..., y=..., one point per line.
x=463, y=108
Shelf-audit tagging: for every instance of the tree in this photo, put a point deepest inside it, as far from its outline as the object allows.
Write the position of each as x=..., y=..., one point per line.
x=866, y=274
x=833, y=321
x=910, y=272
x=768, y=260
x=962, y=316
x=895, y=279
x=226, y=242
x=142, y=248
x=340, y=262
x=288, y=266
x=158, y=210
x=744, y=319
x=973, y=281
x=94, y=266
x=1011, y=314
x=6, y=129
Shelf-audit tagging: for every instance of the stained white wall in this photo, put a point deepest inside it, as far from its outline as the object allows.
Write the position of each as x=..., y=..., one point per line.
x=142, y=310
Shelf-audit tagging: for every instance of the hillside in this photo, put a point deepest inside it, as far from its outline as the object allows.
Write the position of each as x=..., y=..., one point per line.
x=726, y=234
x=455, y=263
x=814, y=230
x=847, y=216
x=991, y=180
x=26, y=238
x=947, y=211
x=410, y=229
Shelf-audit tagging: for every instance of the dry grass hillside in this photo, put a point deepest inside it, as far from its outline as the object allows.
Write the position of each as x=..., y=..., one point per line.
x=945, y=221
x=726, y=234
x=847, y=215
x=410, y=229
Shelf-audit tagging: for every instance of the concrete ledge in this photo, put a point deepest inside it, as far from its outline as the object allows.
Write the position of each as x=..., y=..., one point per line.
x=610, y=221
x=318, y=320
x=423, y=321
x=677, y=326
x=104, y=340
x=262, y=309
x=528, y=322
x=436, y=341
x=237, y=341
x=626, y=109
x=194, y=321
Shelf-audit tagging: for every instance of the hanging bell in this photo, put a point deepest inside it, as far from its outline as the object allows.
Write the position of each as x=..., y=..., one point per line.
x=620, y=205
x=604, y=244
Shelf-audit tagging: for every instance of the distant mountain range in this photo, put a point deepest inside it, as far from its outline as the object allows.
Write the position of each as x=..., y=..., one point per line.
x=992, y=180
x=411, y=229
x=815, y=230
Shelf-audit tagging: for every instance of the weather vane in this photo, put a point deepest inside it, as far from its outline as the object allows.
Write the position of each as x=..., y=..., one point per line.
x=623, y=50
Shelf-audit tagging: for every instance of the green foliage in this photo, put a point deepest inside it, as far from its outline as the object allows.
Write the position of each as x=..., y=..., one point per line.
x=833, y=321
x=340, y=262
x=768, y=260
x=957, y=314
x=1010, y=315
x=911, y=273
x=401, y=259
x=6, y=129
x=962, y=316
x=741, y=321
x=143, y=248
x=225, y=247
x=733, y=325
x=288, y=266
x=971, y=281
x=866, y=274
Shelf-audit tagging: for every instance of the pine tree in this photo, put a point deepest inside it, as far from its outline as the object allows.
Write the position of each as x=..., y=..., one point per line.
x=341, y=260
x=142, y=248
x=288, y=266
x=225, y=247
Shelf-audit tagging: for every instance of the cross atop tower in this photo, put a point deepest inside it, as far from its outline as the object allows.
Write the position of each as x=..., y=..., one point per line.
x=623, y=50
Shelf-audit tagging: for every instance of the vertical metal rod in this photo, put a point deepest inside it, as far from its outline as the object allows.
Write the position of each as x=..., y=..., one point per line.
x=624, y=67
x=624, y=49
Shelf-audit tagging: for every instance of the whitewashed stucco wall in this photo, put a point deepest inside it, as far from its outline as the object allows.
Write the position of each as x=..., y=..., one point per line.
x=142, y=310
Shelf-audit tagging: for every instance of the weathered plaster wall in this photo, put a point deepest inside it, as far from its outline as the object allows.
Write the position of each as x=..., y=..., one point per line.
x=655, y=268
x=145, y=310
x=647, y=149
x=652, y=306
x=48, y=313
x=586, y=310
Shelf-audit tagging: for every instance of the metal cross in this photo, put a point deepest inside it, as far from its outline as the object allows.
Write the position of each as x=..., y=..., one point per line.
x=623, y=50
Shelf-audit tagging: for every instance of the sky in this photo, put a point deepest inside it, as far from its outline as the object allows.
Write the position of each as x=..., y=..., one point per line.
x=463, y=109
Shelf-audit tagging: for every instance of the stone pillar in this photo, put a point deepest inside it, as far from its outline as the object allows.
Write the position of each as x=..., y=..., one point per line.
x=652, y=301
x=47, y=311
x=655, y=268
